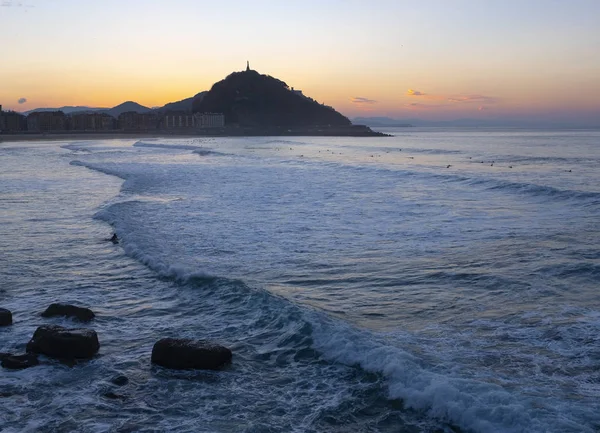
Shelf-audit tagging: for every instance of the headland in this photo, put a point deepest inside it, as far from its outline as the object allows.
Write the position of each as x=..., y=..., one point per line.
x=245, y=103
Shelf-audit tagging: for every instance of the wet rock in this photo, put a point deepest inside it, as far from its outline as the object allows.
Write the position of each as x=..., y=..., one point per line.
x=80, y=313
x=190, y=354
x=62, y=343
x=120, y=380
x=5, y=317
x=18, y=362
x=112, y=396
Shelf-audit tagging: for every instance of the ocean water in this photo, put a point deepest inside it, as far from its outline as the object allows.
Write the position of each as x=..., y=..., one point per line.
x=434, y=281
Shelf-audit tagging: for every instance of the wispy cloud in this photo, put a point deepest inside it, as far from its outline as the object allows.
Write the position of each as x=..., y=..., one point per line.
x=22, y=100
x=360, y=100
x=13, y=4
x=421, y=106
x=454, y=99
x=473, y=99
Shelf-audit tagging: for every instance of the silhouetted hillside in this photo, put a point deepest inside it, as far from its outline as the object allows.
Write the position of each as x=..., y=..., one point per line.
x=127, y=106
x=183, y=105
x=67, y=109
x=251, y=99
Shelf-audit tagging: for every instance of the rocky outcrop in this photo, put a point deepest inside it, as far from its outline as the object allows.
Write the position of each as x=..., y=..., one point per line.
x=5, y=317
x=190, y=354
x=18, y=362
x=62, y=343
x=80, y=313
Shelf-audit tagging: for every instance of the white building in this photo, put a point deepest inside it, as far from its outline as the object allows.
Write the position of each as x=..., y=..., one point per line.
x=209, y=120
x=175, y=121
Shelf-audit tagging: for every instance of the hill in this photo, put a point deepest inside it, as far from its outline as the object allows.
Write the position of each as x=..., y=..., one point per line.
x=115, y=111
x=250, y=99
x=67, y=109
x=127, y=106
x=183, y=105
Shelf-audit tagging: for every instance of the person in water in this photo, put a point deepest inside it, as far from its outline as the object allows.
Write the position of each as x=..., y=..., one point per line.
x=114, y=239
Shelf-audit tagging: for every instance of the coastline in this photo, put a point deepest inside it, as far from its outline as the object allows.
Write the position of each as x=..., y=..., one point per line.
x=61, y=136
x=349, y=131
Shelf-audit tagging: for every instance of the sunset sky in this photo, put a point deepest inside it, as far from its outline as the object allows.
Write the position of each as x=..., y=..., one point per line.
x=429, y=59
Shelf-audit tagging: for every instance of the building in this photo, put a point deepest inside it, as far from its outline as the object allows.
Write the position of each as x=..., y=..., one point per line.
x=209, y=120
x=178, y=120
x=42, y=121
x=133, y=121
x=11, y=121
x=93, y=122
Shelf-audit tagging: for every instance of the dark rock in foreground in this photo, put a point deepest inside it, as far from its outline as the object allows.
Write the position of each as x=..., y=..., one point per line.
x=80, y=313
x=190, y=354
x=62, y=343
x=5, y=317
x=113, y=396
x=120, y=380
x=18, y=362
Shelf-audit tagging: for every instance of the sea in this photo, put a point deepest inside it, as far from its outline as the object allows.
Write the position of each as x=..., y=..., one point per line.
x=438, y=280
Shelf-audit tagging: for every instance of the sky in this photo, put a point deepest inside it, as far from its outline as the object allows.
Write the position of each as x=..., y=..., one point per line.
x=427, y=59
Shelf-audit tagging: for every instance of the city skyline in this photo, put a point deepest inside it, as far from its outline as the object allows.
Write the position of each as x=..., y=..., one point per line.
x=435, y=61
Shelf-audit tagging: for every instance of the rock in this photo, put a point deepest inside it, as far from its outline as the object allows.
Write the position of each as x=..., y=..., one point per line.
x=190, y=354
x=19, y=362
x=62, y=343
x=80, y=313
x=113, y=396
x=5, y=317
x=120, y=380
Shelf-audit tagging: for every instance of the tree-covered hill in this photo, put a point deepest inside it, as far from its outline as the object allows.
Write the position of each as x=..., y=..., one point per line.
x=251, y=99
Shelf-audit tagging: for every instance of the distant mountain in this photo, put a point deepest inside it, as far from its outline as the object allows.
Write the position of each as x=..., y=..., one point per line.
x=183, y=105
x=115, y=111
x=68, y=109
x=476, y=123
x=127, y=106
x=250, y=99
x=380, y=121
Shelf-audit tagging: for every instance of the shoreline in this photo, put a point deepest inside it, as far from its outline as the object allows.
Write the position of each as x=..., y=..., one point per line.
x=352, y=131
x=83, y=136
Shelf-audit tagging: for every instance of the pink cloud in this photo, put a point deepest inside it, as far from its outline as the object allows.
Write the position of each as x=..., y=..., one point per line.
x=360, y=100
x=473, y=99
x=420, y=106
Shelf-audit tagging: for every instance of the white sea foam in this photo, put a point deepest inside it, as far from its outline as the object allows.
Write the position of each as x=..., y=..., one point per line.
x=470, y=404
x=167, y=146
x=482, y=260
